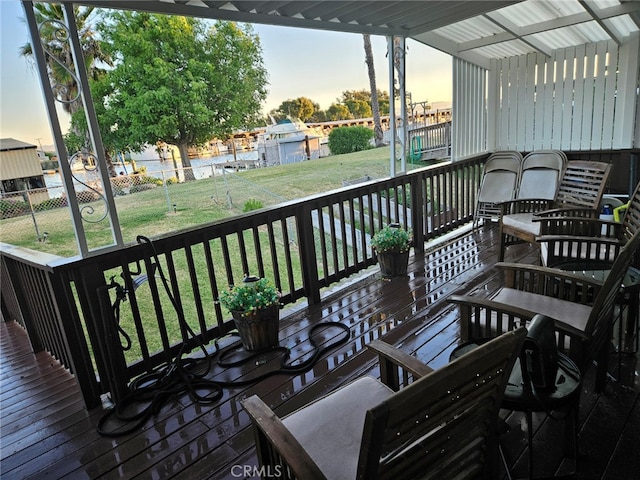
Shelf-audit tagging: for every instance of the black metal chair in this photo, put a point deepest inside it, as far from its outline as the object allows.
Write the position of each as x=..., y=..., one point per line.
x=530, y=391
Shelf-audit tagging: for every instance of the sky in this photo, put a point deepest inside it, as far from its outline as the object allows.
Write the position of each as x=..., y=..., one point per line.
x=316, y=64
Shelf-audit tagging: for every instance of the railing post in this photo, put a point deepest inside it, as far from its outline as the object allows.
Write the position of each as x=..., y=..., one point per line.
x=16, y=290
x=109, y=344
x=307, y=250
x=80, y=357
x=418, y=212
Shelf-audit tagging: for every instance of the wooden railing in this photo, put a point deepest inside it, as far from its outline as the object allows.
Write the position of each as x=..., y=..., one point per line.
x=73, y=307
x=432, y=141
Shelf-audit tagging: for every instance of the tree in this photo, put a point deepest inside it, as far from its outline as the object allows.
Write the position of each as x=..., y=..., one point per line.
x=338, y=111
x=301, y=107
x=112, y=139
x=181, y=80
x=358, y=102
x=375, y=106
x=51, y=17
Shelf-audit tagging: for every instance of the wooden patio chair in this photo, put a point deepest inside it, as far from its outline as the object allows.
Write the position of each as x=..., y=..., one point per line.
x=440, y=424
x=581, y=306
x=579, y=194
x=588, y=243
x=499, y=183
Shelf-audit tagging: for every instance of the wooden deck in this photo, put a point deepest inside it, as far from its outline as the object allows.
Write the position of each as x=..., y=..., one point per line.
x=46, y=432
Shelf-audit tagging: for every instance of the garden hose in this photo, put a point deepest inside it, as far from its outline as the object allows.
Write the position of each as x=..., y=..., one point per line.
x=150, y=391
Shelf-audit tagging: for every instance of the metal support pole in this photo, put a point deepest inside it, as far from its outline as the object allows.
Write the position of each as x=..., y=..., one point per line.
x=92, y=122
x=399, y=53
x=392, y=109
x=56, y=130
x=71, y=33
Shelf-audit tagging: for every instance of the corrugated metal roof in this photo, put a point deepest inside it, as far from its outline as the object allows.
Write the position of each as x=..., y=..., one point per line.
x=13, y=144
x=20, y=162
x=540, y=25
x=475, y=30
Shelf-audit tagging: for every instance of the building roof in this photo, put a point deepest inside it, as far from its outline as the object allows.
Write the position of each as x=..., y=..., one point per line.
x=475, y=30
x=13, y=144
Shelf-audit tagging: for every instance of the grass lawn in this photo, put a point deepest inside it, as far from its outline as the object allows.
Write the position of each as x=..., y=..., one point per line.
x=152, y=212
x=177, y=206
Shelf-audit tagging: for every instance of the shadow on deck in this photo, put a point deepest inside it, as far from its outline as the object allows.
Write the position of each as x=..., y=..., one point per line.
x=46, y=432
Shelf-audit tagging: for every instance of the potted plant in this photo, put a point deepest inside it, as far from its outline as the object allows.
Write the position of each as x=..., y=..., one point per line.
x=255, y=307
x=392, y=244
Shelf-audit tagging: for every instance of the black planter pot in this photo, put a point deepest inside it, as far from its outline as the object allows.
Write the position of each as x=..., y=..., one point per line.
x=259, y=329
x=393, y=264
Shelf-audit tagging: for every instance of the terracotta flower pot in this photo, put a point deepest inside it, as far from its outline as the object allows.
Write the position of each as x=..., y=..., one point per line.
x=259, y=329
x=393, y=264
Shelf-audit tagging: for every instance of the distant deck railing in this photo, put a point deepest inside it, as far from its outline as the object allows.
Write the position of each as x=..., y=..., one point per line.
x=430, y=142
x=68, y=306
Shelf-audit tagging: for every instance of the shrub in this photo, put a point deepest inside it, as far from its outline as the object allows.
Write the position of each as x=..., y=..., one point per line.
x=252, y=204
x=49, y=204
x=252, y=294
x=144, y=180
x=392, y=238
x=13, y=208
x=86, y=196
x=350, y=139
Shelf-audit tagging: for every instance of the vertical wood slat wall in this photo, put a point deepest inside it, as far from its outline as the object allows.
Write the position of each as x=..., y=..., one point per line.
x=580, y=98
x=469, y=124
x=570, y=101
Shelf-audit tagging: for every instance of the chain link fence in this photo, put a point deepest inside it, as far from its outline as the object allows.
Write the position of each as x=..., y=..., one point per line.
x=166, y=200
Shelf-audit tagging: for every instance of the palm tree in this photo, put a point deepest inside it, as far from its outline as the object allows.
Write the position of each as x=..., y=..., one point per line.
x=375, y=107
x=51, y=17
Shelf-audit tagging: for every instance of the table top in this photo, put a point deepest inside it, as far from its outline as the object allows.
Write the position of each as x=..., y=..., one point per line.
x=630, y=280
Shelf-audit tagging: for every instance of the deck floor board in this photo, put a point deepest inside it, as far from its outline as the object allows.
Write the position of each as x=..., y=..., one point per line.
x=46, y=431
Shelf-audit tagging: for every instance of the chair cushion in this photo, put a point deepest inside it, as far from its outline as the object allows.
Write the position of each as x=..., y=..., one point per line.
x=522, y=222
x=572, y=314
x=330, y=429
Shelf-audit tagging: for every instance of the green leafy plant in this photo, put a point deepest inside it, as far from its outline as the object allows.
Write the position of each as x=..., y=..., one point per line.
x=252, y=204
x=350, y=139
x=13, y=208
x=392, y=238
x=252, y=294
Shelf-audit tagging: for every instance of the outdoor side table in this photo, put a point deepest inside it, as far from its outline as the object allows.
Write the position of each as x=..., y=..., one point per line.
x=519, y=398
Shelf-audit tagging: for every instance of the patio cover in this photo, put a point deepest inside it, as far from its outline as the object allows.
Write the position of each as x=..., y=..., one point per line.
x=474, y=31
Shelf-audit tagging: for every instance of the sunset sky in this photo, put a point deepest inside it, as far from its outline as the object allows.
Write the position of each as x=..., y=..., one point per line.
x=316, y=64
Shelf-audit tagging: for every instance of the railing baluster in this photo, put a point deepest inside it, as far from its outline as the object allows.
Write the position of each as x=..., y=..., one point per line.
x=213, y=284
x=195, y=287
x=430, y=201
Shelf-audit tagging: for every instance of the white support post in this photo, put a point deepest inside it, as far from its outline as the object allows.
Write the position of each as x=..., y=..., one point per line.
x=54, y=122
x=392, y=108
x=92, y=122
x=400, y=50
x=627, y=98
